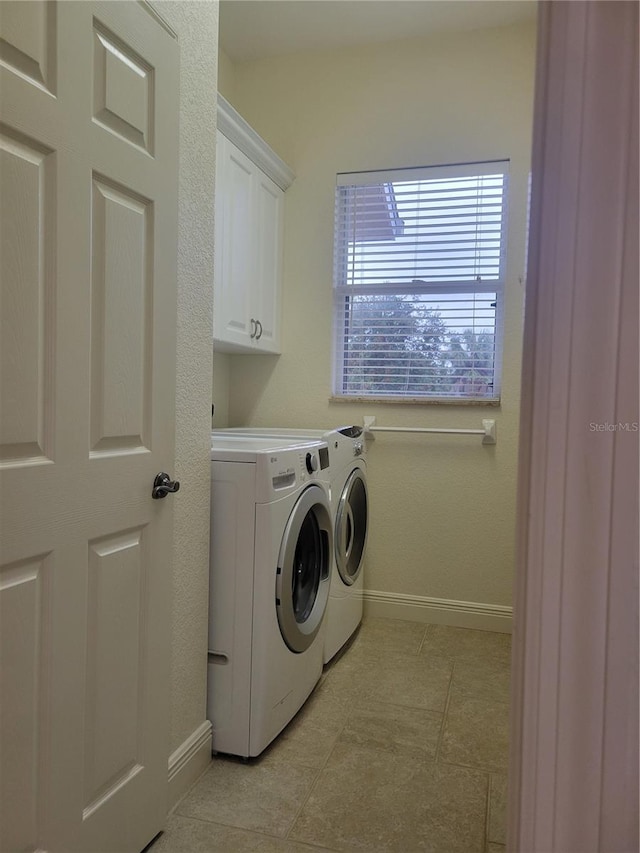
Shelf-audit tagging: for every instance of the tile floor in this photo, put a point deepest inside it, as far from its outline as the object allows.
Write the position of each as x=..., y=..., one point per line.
x=401, y=747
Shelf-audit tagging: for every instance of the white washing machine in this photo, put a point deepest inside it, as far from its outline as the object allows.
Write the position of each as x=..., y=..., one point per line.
x=350, y=513
x=271, y=552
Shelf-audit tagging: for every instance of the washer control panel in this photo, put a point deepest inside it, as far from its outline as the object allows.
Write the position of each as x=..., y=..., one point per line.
x=315, y=460
x=323, y=456
x=288, y=469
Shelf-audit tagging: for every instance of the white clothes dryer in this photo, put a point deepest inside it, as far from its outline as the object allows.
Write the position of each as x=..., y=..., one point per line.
x=270, y=567
x=350, y=513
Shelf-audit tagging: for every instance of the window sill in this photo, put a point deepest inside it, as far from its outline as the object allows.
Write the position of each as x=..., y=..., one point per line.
x=419, y=401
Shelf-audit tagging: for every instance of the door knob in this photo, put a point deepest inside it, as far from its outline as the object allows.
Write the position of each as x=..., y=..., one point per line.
x=162, y=485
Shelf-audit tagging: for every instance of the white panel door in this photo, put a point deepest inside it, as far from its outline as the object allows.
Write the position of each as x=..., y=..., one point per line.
x=88, y=172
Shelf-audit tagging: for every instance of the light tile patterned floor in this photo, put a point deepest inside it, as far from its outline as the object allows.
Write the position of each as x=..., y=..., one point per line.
x=401, y=747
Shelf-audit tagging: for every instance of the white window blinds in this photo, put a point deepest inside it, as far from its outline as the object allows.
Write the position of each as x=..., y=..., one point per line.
x=418, y=281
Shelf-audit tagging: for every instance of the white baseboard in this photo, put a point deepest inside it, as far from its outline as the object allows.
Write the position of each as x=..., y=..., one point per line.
x=188, y=762
x=441, y=611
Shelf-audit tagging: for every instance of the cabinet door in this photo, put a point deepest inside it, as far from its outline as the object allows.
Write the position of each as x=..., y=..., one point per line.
x=268, y=200
x=235, y=251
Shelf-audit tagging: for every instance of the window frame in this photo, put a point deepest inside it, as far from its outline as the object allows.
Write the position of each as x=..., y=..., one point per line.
x=341, y=293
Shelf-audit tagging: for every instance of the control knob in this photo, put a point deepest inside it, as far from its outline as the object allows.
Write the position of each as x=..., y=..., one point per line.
x=312, y=463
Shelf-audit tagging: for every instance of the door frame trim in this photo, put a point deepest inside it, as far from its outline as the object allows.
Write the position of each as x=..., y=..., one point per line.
x=148, y=7
x=573, y=778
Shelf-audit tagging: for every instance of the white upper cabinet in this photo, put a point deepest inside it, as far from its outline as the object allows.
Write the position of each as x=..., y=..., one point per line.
x=250, y=184
x=234, y=254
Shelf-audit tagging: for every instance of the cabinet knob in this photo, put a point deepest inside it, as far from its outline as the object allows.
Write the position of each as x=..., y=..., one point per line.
x=254, y=328
x=259, y=327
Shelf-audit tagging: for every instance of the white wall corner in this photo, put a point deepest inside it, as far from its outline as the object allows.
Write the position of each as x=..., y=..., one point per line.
x=188, y=762
x=439, y=611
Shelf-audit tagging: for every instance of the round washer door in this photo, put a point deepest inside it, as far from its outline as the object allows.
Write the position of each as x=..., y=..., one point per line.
x=304, y=563
x=352, y=519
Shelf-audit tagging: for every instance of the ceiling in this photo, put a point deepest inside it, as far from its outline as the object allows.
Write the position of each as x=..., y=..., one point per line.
x=254, y=29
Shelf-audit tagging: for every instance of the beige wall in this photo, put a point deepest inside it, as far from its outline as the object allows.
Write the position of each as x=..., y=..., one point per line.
x=220, y=389
x=221, y=363
x=442, y=508
x=226, y=76
x=197, y=27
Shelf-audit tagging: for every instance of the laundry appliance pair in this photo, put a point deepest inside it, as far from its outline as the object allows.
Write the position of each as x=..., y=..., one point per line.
x=289, y=515
x=350, y=512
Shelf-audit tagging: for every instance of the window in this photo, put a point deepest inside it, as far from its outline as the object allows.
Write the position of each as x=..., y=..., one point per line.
x=418, y=282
